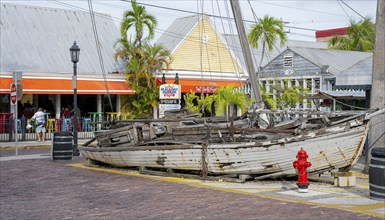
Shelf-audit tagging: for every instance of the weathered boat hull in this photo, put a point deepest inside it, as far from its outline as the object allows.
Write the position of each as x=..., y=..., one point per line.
x=332, y=148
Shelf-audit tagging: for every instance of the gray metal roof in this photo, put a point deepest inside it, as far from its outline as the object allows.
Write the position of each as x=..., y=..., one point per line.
x=337, y=60
x=181, y=27
x=37, y=39
x=233, y=42
x=349, y=67
x=177, y=31
x=359, y=76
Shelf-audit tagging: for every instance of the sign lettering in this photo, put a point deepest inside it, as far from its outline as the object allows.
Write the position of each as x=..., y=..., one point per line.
x=205, y=89
x=170, y=91
x=169, y=101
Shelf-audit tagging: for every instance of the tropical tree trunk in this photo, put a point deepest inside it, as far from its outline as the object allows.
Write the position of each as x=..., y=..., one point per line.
x=262, y=56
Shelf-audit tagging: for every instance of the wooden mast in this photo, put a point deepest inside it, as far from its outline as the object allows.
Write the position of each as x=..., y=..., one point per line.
x=254, y=78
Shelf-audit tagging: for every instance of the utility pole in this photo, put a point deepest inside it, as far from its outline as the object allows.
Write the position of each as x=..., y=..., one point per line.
x=254, y=78
x=377, y=98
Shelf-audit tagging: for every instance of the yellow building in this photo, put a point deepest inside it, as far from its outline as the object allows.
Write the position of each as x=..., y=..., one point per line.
x=202, y=58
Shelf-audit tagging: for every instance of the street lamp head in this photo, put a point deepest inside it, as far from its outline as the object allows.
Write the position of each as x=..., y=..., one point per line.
x=75, y=51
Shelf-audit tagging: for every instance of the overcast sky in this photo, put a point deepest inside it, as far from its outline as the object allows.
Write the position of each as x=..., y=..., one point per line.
x=303, y=17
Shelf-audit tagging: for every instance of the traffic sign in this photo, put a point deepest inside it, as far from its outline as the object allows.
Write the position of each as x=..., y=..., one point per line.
x=13, y=94
x=17, y=77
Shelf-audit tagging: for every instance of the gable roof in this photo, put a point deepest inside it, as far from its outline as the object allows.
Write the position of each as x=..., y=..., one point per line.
x=37, y=39
x=235, y=46
x=359, y=76
x=182, y=27
x=177, y=32
x=184, y=39
x=337, y=60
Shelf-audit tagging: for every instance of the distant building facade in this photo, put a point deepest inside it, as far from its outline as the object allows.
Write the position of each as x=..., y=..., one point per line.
x=326, y=35
x=36, y=40
x=327, y=72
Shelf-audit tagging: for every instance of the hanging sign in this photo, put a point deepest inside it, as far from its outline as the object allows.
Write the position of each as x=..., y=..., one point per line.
x=166, y=107
x=170, y=101
x=170, y=91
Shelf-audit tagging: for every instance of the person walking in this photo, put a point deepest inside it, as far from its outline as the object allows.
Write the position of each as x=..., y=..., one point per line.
x=39, y=118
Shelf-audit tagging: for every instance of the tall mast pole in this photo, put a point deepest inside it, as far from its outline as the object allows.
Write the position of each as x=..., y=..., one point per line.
x=254, y=79
x=378, y=77
x=377, y=99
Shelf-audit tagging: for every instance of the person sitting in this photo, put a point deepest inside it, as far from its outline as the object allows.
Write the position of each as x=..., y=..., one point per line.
x=39, y=118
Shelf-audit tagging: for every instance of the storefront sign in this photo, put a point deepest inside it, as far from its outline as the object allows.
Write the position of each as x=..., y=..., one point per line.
x=165, y=107
x=170, y=101
x=170, y=91
x=205, y=89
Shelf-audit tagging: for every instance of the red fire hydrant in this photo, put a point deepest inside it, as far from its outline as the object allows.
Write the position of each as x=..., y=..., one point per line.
x=301, y=164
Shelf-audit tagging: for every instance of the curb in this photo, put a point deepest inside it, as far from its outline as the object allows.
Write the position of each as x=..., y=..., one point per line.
x=24, y=147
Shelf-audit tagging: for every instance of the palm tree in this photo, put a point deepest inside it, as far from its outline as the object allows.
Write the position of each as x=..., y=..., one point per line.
x=193, y=102
x=142, y=60
x=360, y=37
x=157, y=58
x=224, y=97
x=285, y=96
x=267, y=30
x=138, y=19
x=143, y=63
x=124, y=50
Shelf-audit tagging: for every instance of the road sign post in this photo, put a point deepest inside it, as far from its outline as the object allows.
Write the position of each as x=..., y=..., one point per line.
x=14, y=106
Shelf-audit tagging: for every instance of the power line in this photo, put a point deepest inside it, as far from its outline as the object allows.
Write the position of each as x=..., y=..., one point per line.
x=352, y=9
x=344, y=10
x=173, y=34
x=185, y=11
x=210, y=15
x=91, y=10
x=302, y=9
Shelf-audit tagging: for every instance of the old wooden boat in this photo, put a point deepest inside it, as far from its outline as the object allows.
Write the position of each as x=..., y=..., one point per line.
x=260, y=153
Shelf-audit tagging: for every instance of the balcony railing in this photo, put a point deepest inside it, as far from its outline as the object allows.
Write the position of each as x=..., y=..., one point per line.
x=86, y=128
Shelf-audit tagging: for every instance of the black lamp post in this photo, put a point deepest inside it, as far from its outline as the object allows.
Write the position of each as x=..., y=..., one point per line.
x=75, y=51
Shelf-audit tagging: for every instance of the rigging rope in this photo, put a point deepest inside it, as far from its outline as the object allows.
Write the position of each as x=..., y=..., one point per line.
x=231, y=29
x=200, y=17
x=351, y=9
x=227, y=41
x=99, y=51
x=216, y=40
x=309, y=85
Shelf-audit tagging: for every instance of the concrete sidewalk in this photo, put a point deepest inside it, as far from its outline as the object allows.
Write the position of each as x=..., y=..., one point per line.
x=28, y=150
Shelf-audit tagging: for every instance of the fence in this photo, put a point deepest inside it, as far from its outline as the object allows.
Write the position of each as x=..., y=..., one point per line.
x=86, y=128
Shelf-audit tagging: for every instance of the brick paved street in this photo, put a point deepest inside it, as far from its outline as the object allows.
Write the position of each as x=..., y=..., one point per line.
x=42, y=189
